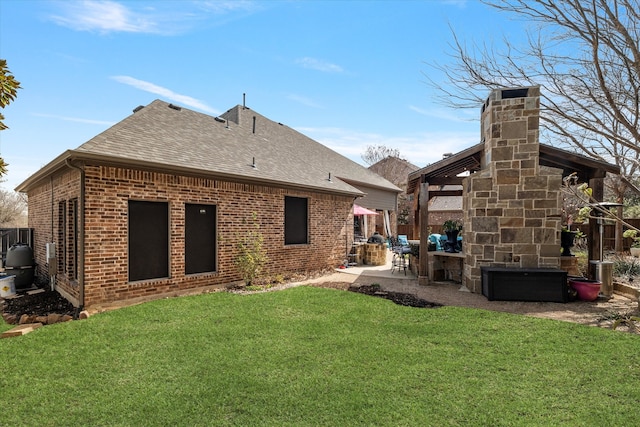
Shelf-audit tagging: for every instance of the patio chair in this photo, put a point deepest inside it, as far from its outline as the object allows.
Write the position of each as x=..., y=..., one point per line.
x=401, y=249
x=435, y=240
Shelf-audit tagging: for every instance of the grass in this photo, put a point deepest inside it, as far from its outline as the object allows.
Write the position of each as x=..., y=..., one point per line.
x=307, y=357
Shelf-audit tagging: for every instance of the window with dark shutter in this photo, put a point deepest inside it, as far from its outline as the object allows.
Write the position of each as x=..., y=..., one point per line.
x=296, y=221
x=199, y=238
x=148, y=240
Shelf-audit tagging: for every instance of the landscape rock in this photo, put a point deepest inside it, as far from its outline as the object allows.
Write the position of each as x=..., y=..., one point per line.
x=53, y=318
x=11, y=319
x=27, y=318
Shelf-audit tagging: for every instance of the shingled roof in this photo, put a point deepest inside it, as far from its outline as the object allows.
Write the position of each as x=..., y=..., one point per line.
x=240, y=145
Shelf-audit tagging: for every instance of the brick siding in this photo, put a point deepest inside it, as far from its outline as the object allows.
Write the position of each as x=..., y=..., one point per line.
x=107, y=192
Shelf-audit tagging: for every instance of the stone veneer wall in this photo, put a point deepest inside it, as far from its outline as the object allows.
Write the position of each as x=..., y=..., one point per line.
x=511, y=207
x=375, y=254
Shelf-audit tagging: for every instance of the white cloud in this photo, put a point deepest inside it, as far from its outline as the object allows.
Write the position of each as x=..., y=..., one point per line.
x=457, y=116
x=458, y=3
x=221, y=6
x=166, y=93
x=104, y=16
x=75, y=119
x=319, y=65
x=420, y=149
x=167, y=18
x=303, y=100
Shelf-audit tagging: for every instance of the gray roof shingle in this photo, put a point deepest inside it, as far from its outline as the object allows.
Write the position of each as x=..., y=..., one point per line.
x=161, y=134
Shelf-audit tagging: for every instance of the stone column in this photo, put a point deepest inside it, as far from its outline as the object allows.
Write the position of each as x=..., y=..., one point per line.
x=511, y=207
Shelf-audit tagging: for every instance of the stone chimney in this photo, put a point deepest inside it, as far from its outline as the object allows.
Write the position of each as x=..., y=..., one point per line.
x=512, y=205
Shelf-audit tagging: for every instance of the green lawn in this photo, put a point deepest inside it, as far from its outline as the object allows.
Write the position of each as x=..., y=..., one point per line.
x=317, y=357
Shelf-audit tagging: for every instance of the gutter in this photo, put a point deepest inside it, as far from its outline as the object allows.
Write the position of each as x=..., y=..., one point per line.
x=80, y=233
x=100, y=159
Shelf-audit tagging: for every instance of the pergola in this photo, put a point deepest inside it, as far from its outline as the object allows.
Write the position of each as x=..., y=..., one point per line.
x=452, y=169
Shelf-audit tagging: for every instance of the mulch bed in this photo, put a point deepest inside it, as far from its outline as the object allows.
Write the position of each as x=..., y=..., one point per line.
x=408, y=300
x=39, y=304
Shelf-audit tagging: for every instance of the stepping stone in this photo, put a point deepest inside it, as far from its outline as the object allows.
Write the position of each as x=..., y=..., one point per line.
x=21, y=330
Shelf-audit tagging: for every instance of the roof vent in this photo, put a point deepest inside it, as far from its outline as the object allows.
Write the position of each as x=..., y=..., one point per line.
x=175, y=107
x=138, y=108
x=219, y=119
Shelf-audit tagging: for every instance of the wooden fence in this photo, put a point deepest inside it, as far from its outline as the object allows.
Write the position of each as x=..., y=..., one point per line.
x=405, y=230
x=609, y=234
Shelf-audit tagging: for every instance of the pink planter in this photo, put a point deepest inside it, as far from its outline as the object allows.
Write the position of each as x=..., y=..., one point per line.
x=587, y=289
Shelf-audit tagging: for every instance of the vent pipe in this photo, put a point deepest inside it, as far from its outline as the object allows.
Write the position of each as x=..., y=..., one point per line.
x=244, y=100
x=254, y=124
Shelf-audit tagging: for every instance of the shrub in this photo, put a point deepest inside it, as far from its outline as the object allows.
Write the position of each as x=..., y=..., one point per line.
x=625, y=266
x=252, y=255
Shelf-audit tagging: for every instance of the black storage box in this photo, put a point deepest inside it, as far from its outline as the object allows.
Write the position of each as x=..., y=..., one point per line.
x=524, y=284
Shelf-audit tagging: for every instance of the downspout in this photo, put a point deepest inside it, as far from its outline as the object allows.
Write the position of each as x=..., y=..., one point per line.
x=346, y=234
x=52, y=277
x=80, y=233
x=52, y=208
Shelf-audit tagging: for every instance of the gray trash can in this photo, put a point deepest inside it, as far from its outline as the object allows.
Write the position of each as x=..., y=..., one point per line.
x=604, y=275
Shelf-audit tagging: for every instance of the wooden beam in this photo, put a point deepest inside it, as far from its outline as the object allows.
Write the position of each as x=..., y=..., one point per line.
x=446, y=180
x=434, y=193
x=423, y=261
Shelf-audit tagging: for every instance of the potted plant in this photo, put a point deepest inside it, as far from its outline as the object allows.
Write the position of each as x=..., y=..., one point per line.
x=635, y=245
x=567, y=237
x=452, y=227
x=586, y=289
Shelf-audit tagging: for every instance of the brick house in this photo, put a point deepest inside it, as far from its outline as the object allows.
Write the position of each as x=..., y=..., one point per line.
x=158, y=203
x=395, y=170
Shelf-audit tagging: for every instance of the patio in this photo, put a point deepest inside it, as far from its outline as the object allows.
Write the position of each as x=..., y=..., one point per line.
x=600, y=312
x=383, y=271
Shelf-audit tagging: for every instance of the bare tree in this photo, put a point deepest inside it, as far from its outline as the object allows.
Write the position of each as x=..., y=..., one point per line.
x=396, y=170
x=586, y=58
x=373, y=154
x=13, y=209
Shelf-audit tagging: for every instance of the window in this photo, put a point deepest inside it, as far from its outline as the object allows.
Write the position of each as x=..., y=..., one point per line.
x=68, y=238
x=62, y=236
x=199, y=238
x=295, y=221
x=72, y=240
x=148, y=240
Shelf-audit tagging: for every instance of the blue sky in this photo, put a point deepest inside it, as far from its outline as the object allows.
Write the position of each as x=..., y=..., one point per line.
x=345, y=73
